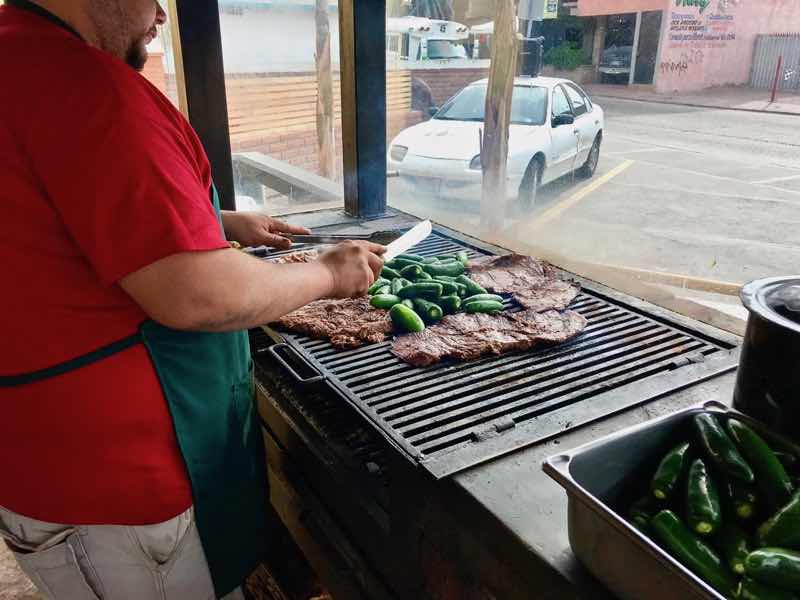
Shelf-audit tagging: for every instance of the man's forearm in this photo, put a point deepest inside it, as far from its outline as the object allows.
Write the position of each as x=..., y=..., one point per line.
x=224, y=290
x=266, y=292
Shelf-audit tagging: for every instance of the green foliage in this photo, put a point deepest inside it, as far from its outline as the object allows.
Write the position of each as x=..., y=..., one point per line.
x=566, y=57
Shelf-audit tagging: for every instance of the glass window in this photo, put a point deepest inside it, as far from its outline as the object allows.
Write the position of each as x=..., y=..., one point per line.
x=678, y=205
x=560, y=103
x=528, y=105
x=583, y=95
x=284, y=110
x=160, y=67
x=577, y=100
x=443, y=49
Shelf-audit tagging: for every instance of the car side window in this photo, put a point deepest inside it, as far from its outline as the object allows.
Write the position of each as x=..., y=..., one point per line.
x=560, y=103
x=584, y=95
x=578, y=100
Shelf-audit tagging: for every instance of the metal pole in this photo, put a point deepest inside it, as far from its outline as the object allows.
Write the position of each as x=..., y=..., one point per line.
x=362, y=46
x=778, y=72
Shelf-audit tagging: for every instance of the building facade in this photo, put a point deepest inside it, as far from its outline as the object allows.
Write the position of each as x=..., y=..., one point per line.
x=685, y=45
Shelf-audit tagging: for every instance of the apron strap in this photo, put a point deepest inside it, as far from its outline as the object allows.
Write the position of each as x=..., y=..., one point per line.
x=71, y=365
x=112, y=348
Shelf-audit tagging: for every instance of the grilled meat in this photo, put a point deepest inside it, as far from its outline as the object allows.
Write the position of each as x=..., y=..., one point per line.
x=467, y=337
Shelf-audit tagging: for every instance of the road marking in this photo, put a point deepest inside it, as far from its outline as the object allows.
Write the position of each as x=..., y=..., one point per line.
x=741, y=196
x=706, y=238
x=558, y=209
x=624, y=152
x=712, y=176
x=776, y=179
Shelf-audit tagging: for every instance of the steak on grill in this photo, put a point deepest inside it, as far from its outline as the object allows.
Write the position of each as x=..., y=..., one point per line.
x=346, y=323
x=533, y=283
x=469, y=336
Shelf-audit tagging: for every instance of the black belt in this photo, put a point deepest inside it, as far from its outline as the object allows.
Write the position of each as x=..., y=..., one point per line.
x=30, y=7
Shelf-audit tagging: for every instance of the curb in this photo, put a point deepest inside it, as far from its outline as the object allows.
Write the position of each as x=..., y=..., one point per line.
x=695, y=105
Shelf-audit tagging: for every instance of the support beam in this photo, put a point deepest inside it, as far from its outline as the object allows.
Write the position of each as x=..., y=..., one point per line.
x=635, y=50
x=362, y=35
x=497, y=120
x=204, y=81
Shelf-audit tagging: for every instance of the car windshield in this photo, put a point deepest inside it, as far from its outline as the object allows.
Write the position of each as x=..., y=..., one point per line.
x=528, y=105
x=439, y=49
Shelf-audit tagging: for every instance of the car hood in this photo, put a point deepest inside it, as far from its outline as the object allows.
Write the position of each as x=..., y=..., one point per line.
x=456, y=140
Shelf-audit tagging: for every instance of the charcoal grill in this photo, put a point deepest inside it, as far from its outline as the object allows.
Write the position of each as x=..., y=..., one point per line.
x=454, y=415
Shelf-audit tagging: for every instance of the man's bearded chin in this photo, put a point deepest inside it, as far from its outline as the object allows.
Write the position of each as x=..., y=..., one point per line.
x=136, y=57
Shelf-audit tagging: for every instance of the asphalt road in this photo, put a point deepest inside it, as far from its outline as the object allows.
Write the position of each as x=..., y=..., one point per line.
x=705, y=193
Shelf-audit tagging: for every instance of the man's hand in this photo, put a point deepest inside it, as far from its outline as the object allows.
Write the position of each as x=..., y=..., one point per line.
x=257, y=229
x=354, y=267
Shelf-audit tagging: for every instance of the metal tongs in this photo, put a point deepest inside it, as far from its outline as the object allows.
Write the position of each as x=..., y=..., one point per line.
x=378, y=237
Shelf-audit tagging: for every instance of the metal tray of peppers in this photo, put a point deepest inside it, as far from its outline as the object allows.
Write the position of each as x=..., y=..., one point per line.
x=703, y=503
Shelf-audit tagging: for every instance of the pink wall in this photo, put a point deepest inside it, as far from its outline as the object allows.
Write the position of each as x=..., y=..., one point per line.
x=715, y=47
x=615, y=7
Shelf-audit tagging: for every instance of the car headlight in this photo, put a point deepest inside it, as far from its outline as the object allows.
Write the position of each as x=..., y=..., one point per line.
x=398, y=153
x=475, y=163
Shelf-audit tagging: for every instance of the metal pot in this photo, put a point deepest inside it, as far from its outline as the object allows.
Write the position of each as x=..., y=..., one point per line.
x=768, y=381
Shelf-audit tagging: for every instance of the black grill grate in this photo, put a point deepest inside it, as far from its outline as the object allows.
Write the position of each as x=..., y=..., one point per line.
x=452, y=415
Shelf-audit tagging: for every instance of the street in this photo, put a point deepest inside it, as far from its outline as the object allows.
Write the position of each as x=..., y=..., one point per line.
x=707, y=193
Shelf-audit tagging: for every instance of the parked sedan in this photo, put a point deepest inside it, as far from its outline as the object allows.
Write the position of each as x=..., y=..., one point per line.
x=555, y=129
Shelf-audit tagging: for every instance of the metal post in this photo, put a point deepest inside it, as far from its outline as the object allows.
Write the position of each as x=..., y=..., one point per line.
x=635, y=48
x=204, y=81
x=362, y=44
x=778, y=72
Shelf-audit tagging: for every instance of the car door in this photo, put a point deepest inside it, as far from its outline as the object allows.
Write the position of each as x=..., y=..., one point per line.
x=564, y=141
x=586, y=122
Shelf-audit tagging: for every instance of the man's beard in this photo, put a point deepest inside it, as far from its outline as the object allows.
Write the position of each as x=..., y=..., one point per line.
x=136, y=56
x=113, y=27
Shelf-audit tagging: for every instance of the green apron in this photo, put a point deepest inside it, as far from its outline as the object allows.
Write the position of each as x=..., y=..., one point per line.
x=207, y=379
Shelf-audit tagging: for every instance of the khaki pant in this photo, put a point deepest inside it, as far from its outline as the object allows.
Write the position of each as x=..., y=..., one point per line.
x=112, y=562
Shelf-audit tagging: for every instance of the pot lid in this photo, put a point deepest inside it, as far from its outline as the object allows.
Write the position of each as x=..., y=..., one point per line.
x=776, y=299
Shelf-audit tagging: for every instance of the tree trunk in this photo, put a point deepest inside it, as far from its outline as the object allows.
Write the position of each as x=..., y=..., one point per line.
x=326, y=144
x=494, y=151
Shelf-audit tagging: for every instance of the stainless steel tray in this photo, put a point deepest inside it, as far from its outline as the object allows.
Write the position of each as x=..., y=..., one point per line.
x=608, y=472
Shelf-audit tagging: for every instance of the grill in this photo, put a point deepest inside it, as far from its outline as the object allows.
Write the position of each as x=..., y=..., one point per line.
x=453, y=415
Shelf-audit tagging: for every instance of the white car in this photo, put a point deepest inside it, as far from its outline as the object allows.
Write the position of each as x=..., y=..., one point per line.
x=555, y=129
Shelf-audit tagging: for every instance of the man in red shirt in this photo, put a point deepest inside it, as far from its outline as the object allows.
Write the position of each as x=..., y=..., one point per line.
x=127, y=440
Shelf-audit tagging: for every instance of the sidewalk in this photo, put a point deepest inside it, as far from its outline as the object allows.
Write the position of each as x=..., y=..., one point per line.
x=731, y=98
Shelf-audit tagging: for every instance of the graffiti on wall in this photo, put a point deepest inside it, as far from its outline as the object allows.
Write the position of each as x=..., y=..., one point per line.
x=705, y=25
x=701, y=4
x=684, y=63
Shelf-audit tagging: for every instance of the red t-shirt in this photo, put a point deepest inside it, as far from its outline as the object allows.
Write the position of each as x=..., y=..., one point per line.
x=99, y=177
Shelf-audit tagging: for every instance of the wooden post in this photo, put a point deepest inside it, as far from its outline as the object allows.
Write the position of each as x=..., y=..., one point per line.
x=326, y=140
x=494, y=154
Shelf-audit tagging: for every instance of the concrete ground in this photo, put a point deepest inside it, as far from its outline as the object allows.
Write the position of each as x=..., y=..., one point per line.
x=702, y=194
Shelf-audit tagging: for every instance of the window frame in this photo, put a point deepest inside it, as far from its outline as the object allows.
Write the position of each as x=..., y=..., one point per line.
x=583, y=94
x=569, y=99
x=566, y=96
x=201, y=75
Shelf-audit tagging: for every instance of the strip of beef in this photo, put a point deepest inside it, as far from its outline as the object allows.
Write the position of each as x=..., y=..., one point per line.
x=346, y=323
x=534, y=284
x=467, y=337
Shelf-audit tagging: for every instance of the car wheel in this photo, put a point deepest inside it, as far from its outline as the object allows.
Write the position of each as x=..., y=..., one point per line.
x=590, y=166
x=529, y=188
